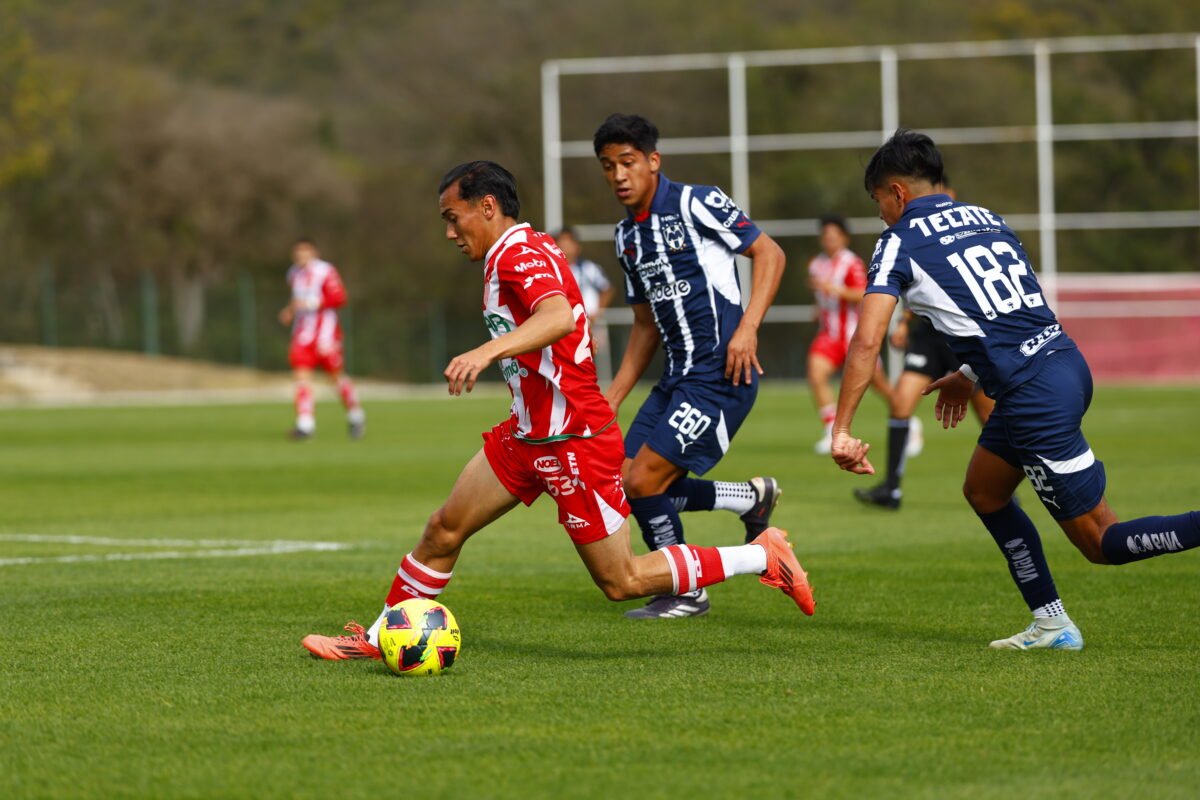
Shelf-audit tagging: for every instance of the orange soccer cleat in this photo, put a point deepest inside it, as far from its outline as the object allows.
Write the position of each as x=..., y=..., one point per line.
x=784, y=571
x=340, y=648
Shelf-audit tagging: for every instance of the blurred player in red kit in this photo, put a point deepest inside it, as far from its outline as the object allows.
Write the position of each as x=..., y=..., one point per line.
x=317, y=293
x=838, y=278
x=561, y=436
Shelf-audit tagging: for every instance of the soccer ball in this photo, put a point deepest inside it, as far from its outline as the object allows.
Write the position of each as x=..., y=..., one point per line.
x=419, y=637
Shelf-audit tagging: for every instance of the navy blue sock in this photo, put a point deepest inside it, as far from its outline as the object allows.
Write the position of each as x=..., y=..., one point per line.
x=897, y=444
x=658, y=519
x=1014, y=533
x=1147, y=537
x=693, y=494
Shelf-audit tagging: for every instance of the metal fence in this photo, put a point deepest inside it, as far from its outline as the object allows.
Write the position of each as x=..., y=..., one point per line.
x=739, y=142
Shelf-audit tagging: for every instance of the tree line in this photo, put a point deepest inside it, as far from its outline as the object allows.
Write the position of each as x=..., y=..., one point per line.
x=188, y=143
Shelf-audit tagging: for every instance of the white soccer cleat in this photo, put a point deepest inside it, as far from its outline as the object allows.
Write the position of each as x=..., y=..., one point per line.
x=916, y=438
x=1045, y=633
x=824, y=445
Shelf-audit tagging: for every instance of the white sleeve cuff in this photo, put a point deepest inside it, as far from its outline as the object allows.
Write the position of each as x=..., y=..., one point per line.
x=965, y=369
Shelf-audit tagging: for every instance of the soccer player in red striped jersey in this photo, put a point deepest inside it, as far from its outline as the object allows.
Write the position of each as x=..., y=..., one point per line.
x=838, y=279
x=317, y=294
x=561, y=437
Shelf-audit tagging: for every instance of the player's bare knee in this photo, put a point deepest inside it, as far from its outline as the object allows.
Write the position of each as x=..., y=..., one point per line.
x=617, y=589
x=441, y=536
x=1088, y=542
x=1090, y=549
x=639, y=483
x=982, y=500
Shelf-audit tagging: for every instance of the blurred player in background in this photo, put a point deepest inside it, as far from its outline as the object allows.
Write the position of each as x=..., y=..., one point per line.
x=837, y=277
x=317, y=293
x=562, y=437
x=594, y=286
x=677, y=247
x=965, y=269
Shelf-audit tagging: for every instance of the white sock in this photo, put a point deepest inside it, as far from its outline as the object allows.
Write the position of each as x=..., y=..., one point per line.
x=1051, y=609
x=355, y=416
x=744, y=559
x=305, y=423
x=373, y=631
x=827, y=416
x=736, y=497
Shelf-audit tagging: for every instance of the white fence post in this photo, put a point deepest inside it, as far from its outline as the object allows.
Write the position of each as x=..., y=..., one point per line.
x=1047, y=219
x=551, y=148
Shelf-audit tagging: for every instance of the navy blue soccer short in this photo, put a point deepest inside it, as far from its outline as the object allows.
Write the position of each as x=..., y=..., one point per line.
x=1036, y=427
x=690, y=421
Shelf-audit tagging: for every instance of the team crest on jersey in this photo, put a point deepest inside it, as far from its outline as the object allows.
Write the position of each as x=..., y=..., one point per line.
x=719, y=200
x=674, y=236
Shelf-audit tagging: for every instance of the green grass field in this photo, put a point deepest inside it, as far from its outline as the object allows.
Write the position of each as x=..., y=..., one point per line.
x=184, y=677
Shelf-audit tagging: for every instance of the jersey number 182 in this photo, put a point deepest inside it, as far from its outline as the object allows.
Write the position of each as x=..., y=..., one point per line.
x=1001, y=292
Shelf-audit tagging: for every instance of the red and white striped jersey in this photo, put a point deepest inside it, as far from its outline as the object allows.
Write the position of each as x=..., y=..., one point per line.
x=320, y=291
x=837, y=317
x=554, y=390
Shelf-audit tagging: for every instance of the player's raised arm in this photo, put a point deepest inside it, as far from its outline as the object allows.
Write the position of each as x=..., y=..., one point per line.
x=769, y=262
x=850, y=453
x=551, y=320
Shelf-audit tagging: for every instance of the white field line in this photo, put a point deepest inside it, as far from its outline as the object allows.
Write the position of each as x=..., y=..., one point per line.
x=200, y=548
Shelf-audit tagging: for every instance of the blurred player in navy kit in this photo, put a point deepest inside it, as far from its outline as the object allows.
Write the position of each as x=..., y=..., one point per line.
x=962, y=267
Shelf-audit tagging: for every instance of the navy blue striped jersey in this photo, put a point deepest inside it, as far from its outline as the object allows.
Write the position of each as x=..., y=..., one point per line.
x=964, y=268
x=679, y=258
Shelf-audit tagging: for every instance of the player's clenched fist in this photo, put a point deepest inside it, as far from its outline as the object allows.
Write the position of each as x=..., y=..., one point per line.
x=463, y=370
x=851, y=454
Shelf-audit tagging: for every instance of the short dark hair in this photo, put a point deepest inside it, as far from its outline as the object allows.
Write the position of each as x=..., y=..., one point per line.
x=477, y=179
x=631, y=129
x=302, y=240
x=836, y=220
x=908, y=154
x=945, y=180
x=566, y=230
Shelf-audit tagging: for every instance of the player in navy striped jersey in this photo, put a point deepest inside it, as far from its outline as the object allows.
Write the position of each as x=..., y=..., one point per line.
x=961, y=266
x=677, y=248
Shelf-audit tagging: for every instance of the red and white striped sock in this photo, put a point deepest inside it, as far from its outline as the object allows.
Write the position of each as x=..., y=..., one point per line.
x=349, y=395
x=693, y=567
x=414, y=579
x=304, y=407
x=346, y=391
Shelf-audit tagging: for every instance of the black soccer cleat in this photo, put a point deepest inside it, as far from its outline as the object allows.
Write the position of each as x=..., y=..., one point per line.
x=758, y=518
x=673, y=606
x=356, y=430
x=299, y=435
x=880, y=496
